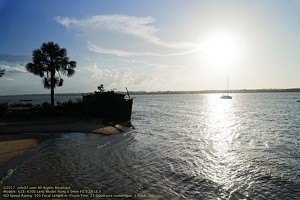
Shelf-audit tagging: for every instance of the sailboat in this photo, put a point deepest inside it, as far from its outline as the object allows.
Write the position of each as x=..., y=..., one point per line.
x=226, y=96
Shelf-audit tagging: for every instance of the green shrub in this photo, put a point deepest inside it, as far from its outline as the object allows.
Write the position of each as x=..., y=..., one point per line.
x=18, y=105
x=46, y=105
x=3, y=109
x=71, y=106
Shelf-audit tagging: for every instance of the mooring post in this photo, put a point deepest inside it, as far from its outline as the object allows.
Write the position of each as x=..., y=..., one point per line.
x=127, y=92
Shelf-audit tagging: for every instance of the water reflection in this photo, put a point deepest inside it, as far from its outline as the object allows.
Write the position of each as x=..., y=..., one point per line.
x=221, y=134
x=183, y=147
x=73, y=160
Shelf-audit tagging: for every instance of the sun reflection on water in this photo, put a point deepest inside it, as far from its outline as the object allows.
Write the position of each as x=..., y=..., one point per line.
x=221, y=134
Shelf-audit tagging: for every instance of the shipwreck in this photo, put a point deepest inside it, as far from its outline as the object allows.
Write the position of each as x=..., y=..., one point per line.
x=109, y=105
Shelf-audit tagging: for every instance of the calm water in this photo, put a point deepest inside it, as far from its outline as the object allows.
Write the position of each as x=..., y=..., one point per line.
x=183, y=147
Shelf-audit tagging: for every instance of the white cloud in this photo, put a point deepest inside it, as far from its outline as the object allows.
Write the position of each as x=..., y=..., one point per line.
x=20, y=69
x=9, y=79
x=138, y=31
x=154, y=61
x=137, y=26
x=116, y=52
x=148, y=64
x=123, y=23
x=141, y=78
x=118, y=77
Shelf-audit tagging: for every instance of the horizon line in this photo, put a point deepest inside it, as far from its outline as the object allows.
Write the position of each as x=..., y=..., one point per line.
x=178, y=91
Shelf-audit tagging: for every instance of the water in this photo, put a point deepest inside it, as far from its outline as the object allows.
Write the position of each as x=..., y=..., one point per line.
x=183, y=147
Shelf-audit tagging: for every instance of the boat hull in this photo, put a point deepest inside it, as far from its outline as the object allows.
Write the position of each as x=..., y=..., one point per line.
x=109, y=105
x=226, y=97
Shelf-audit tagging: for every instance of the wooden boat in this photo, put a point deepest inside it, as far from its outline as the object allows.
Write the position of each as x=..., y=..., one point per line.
x=109, y=105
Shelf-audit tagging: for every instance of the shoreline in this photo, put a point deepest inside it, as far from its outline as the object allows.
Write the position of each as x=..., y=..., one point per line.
x=14, y=145
x=16, y=138
x=57, y=125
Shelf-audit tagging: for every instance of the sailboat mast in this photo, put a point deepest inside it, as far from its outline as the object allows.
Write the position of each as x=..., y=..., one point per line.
x=227, y=85
x=226, y=96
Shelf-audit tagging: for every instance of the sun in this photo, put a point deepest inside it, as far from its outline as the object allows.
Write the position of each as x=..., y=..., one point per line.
x=220, y=49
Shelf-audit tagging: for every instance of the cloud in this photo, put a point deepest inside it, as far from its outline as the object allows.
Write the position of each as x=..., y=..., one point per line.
x=148, y=64
x=115, y=52
x=137, y=26
x=15, y=69
x=11, y=73
x=123, y=31
x=141, y=78
x=118, y=77
x=122, y=53
x=14, y=58
x=9, y=79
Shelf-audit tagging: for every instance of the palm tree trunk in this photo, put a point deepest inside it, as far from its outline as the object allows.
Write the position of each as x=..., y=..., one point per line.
x=52, y=87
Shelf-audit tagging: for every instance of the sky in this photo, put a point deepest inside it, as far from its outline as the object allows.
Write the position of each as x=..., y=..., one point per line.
x=154, y=45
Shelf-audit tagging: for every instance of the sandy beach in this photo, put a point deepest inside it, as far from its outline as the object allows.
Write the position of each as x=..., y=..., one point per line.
x=13, y=143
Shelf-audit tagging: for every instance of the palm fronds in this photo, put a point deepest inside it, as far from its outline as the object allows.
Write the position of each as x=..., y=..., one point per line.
x=49, y=60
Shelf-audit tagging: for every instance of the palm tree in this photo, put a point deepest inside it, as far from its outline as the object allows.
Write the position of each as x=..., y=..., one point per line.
x=101, y=88
x=48, y=62
x=2, y=72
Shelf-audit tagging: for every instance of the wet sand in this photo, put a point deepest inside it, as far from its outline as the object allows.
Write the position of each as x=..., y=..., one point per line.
x=13, y=144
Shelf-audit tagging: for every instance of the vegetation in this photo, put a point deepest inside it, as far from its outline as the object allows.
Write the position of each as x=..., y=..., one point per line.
x=23, y=111
x=48, y=62
x=82, y=108
x=102, y=89
x=3, y=110
x=2, y=72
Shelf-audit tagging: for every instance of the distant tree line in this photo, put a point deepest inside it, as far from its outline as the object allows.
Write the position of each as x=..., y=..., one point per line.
x=214, y=91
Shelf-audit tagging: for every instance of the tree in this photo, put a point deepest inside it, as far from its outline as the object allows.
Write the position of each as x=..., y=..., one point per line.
x=2, y=72
x=101, y=88
x=48, y=62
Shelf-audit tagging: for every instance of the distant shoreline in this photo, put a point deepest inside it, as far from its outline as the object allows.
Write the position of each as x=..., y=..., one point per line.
x=171, y=92
x=218, y=91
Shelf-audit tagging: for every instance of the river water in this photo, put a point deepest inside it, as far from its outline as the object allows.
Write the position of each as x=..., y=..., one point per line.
x=194, y=146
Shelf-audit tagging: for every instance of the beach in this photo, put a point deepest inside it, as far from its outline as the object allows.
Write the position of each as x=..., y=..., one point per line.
x=15, y=145
x=16, y=138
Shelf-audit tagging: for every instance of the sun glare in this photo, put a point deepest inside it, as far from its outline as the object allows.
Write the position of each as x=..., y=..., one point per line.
x=220, y=49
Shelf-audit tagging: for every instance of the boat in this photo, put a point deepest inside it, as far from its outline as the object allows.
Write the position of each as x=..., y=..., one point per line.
x=226, y=96
x=109, y=105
